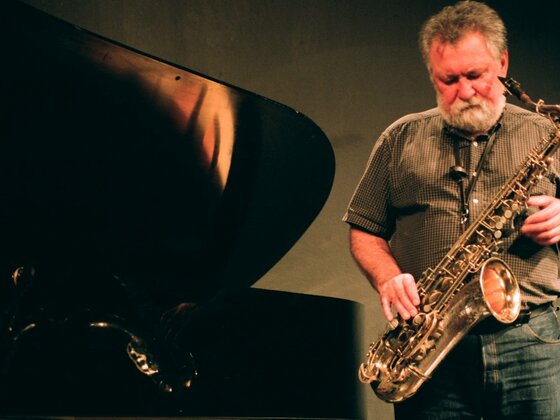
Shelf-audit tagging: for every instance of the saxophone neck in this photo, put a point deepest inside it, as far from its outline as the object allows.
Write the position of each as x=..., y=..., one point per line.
x=514, y=88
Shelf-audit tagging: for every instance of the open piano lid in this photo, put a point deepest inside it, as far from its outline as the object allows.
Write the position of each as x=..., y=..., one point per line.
x=111, y=155
x=141, y=200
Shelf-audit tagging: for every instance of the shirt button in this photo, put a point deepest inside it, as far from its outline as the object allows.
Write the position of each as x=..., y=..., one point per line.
x=474, y=173
x=475, y=200
x=475, y=143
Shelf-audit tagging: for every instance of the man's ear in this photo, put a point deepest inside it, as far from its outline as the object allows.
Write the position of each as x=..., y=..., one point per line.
x=504, y=63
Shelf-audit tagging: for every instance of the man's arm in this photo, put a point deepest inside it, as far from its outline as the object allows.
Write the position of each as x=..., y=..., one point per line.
x=374, y=257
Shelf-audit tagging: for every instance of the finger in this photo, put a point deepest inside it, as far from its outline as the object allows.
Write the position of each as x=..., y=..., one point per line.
x=548, y=208
x=540, y=225
x=542, y=231
x=537, y=228
x=549, y=242
x=547, y=238
x=386, y=306
x=401, y=300
x=543, y=216
x=401, y=309
x=411, y=290
x=540, y=200
x=407, y=294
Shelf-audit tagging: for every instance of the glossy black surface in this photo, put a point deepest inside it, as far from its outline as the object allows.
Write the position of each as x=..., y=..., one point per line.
x=258, y=353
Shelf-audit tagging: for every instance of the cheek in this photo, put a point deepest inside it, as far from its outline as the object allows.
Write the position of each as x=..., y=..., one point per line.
x=447, y=95
x=490, y=92
x=487, y=87
x=484, y=89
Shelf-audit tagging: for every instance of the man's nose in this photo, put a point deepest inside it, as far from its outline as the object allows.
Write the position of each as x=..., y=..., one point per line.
x=465, y=89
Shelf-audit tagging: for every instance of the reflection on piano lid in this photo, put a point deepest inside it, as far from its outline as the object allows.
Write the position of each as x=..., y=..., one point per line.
x=131, y=186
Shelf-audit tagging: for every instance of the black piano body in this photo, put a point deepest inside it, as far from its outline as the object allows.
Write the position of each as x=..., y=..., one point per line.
x=140, y=202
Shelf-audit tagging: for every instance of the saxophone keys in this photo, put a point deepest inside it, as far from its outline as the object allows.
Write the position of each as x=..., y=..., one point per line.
x=421, y=353
x=431, y=299
x=398, y=371
x=393, y=324
x=438, y=332
x=368, y=373
x=498, y=222
x=447, y=282
x=418, y=320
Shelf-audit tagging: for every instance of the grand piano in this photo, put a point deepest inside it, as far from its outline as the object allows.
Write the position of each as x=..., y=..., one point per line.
x=140, y=203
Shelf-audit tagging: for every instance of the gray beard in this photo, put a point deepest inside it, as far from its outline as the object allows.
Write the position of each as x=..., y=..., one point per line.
x=472, y=116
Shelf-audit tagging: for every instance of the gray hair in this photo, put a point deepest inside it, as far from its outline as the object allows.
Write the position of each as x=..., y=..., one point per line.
x=453, y=22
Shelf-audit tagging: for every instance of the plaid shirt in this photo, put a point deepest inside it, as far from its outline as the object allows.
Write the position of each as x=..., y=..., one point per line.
x=407, y=195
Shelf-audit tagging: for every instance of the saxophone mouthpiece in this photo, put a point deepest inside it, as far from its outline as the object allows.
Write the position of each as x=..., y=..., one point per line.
x=503, y=80
x=514, y=88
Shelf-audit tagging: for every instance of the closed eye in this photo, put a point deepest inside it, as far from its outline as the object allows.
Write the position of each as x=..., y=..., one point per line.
x=449, y=80
x=473, y=75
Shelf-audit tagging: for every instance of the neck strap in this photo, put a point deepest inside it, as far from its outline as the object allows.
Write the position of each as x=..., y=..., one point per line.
x=459, y=174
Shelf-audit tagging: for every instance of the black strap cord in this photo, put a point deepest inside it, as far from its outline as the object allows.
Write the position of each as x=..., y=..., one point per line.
x=459, y=174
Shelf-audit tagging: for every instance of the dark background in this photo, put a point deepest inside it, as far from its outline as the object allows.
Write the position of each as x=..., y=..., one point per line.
x=351, y=66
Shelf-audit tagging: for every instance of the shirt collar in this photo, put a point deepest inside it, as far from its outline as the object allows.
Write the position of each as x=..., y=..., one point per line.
x=455, y=132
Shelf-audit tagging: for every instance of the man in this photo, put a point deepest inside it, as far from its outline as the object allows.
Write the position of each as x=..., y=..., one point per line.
x=409, y=209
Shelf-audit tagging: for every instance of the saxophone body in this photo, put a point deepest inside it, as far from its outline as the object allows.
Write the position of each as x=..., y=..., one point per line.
x=470, y=283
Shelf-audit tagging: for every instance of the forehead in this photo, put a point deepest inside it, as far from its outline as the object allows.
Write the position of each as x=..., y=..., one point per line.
x=470, y=52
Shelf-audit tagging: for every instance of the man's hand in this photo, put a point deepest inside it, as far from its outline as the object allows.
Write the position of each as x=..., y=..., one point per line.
x=401, y=292
x=543, y=227
x=395, y=288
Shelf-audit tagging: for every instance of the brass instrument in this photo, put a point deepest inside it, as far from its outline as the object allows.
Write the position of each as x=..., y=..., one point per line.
x=452, y=303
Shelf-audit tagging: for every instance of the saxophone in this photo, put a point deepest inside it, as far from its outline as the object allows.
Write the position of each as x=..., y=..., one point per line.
x=467, y=286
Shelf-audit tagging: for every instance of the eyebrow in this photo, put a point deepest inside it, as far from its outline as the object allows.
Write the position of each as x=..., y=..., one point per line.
x=449, y=76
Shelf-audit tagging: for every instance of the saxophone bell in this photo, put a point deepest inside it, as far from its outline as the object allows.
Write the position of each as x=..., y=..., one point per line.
x=500, y=290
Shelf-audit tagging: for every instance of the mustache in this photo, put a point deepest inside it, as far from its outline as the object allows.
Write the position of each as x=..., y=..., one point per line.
x=465, y=105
